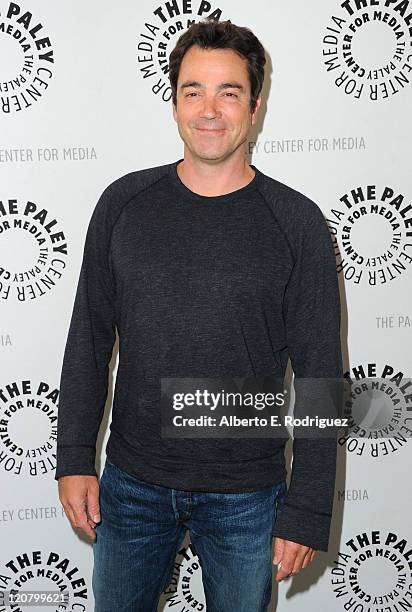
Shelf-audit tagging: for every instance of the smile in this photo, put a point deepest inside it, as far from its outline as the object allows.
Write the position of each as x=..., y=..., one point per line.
x=209, y=130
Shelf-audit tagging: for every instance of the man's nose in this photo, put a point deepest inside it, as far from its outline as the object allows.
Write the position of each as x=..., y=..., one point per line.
x=209, y=107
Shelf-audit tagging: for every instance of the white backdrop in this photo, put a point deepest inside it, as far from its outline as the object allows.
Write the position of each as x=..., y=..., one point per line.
x=85, y=99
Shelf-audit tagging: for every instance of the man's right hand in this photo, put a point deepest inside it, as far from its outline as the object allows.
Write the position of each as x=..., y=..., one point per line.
x=80, y=498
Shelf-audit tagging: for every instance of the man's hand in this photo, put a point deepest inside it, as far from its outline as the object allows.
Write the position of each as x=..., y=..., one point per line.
x=80, y=498
x=291, y=556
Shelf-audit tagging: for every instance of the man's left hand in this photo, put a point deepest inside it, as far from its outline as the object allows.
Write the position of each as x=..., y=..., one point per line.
x=292, y=557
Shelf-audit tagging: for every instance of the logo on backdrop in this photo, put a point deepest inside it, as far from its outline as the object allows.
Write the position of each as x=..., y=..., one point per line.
x=33, y=251
x=28, y=427
x=159, y=36
x=378, y=406
x=185, y=588
x=373, y=573
x=43, y=578
x=30, y=59
x=371, y=228
x=352, y=495
x=367, y=48
x=5, y=340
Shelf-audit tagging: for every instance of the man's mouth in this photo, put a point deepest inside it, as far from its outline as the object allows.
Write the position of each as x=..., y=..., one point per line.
x=210, y=129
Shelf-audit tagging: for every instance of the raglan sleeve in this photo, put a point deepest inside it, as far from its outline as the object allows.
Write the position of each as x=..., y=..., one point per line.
x=312, y=318
x=88, y=350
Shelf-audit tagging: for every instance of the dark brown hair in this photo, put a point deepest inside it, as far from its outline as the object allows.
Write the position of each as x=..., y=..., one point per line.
x=213, y=34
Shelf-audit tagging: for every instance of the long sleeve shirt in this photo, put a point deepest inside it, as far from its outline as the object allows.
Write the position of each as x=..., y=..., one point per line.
x=202, y=286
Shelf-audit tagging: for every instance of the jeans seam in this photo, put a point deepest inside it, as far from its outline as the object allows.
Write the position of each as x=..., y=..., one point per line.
x=170, y=566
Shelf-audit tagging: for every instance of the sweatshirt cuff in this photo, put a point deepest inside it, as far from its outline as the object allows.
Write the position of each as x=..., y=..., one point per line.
x=75, y=461
x=303, y=526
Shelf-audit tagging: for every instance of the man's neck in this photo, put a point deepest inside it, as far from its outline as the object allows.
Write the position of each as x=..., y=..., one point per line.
x=214, y=179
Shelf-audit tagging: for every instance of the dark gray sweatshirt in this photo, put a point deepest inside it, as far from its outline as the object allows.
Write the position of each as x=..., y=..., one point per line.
x=200, y=286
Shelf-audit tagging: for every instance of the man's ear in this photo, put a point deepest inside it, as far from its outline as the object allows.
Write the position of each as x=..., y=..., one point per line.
x=174, y=111
x=254, y=114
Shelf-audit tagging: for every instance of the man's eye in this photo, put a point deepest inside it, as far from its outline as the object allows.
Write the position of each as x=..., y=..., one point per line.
x=192, y=93
x=230, y=93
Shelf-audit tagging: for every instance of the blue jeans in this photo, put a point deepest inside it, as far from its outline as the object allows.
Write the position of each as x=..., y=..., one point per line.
x=143, y=526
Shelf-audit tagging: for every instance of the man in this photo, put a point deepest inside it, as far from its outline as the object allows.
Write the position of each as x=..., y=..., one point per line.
x=208, y=268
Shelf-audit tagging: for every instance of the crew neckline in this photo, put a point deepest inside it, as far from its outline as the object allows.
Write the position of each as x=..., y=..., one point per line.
x=232, y=196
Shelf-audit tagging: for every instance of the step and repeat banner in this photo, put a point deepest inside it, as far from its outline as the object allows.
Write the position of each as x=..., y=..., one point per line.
x=84, y=99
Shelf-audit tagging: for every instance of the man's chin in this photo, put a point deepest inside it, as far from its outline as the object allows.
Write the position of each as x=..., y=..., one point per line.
x=210, y=155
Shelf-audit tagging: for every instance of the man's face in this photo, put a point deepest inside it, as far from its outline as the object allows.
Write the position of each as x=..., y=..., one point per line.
x=213, y=102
